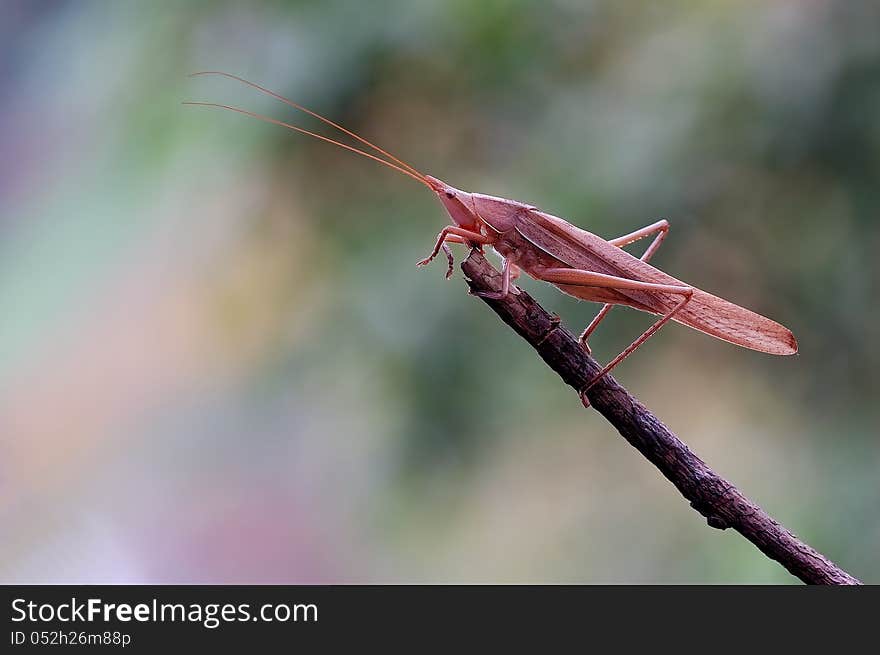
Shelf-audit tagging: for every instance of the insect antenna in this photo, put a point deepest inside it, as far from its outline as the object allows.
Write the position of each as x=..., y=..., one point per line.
x=415, y=175
x=327, y=121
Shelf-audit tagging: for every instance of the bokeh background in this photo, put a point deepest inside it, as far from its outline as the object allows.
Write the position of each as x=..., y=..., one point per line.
x=218, y=362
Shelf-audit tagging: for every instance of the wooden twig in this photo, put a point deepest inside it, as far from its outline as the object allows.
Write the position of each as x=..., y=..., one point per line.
x=723, y=505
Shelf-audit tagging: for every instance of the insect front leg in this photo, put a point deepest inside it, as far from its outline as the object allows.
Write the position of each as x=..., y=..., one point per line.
x=454, y=234
x=661, y=228
x=576, y=277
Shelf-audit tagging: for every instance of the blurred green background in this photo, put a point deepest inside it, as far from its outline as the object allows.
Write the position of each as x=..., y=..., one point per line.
x=219, y=363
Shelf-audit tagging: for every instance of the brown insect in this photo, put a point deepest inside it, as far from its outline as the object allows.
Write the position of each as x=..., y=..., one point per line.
x=577, y=262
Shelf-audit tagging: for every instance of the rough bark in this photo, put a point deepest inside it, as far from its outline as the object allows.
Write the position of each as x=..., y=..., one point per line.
x=723, y=505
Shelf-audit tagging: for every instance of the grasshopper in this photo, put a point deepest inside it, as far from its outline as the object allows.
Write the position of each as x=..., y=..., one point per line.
x=577, y=262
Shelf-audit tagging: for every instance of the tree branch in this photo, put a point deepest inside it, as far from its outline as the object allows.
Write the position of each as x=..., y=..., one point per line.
x=723, y=505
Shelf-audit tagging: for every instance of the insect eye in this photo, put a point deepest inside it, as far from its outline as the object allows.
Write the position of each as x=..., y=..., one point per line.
x=449, y=194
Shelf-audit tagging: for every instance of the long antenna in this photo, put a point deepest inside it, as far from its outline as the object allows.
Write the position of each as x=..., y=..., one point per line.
x=416, y=176
x=291, y=103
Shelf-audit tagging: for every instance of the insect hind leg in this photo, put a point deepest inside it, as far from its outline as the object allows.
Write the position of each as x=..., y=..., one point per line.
x=661, y=229
x=687, y=294
x=584, y=278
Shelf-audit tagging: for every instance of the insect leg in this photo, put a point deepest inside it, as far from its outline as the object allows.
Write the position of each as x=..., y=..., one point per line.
x=449, y=258
x=591, y=279
x=662, y=228
x=447, y=234
x=630, y=349
x=581, y=278
x=452, y=238
x=506, y=276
